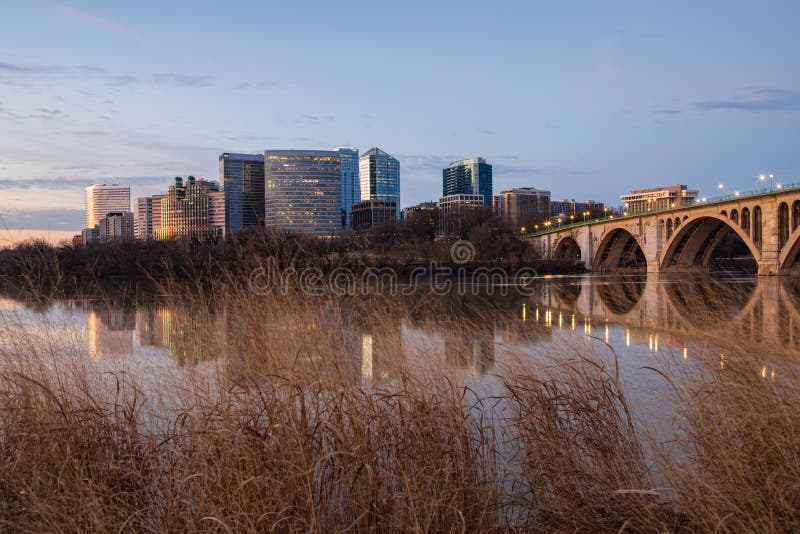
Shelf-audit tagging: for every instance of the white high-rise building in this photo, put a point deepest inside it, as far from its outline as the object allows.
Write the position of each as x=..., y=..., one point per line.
x=102, y=199
x=379, y=177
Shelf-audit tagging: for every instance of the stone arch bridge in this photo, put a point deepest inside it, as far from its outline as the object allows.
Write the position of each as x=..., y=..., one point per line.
x=684, y=238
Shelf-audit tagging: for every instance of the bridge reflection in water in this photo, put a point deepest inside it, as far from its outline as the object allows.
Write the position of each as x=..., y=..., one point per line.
x=630, y=313
x=746, y=310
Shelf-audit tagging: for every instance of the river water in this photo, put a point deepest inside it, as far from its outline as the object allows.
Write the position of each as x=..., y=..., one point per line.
x=635, y=321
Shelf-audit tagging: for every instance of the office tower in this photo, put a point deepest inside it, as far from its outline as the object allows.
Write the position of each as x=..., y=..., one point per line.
x=458, y=213
x=102, y=199
x=523, y=207
x=468, y=177
x=303, y=191
x=657, y=198
x=242, y=176
x=370, y=213
x=187, y=211
x=143, y=218
x=379, y=177
x=351, y=192
x=116, y=226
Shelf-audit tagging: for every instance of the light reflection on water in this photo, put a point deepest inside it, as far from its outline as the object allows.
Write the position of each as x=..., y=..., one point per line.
x=636, y=317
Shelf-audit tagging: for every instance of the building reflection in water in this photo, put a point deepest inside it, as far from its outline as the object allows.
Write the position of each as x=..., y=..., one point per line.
x=449, y=334
x=190, y=335
x=109, y=330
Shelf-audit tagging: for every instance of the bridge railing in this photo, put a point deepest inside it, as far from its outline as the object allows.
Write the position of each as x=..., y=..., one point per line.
x=683, y=205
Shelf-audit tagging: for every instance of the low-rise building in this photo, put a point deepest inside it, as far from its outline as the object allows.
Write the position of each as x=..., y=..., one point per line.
x=459, y=212
x=657, y=198
x=523, y=207
x=370, y=213
x=116, y=226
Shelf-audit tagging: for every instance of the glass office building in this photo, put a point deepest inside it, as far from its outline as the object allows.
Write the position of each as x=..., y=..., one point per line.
x=379, y=177
x=351, y=193
x=303, y=191
x=242, y=176
x=471, y=176
x=188, y=211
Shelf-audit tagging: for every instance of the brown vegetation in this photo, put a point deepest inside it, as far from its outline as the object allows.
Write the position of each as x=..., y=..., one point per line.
x=283, y=434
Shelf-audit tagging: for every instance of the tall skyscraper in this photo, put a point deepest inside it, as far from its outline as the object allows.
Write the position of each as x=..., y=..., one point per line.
x=523, y=207
x=379, y=177
x=303, y=191
x=102, y=199
x=471, y=176
x=351, y=192
x=242, y=176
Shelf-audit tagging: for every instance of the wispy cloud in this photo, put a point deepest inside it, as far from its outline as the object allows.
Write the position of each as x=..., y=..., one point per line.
x=110, y=77
x=76, y=183
x=11, y=67
x=59, y=219
x=8, y=114
x=187, y=80
x=665, y=111
x=98, y=22
x=316, y=118
x=765, y=99
x=48, y=114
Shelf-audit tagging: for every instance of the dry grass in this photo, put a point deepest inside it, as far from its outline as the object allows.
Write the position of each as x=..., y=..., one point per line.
x=283, y=435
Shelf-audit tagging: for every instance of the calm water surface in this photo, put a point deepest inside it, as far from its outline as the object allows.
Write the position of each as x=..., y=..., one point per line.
x=645, y=322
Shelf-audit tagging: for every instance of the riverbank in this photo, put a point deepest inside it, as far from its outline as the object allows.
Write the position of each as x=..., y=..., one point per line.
x=39, y=270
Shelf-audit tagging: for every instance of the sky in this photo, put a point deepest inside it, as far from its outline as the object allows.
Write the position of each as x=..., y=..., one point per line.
x=585, y=99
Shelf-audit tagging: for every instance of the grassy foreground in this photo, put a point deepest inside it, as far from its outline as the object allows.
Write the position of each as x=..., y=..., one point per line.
x=283, y=435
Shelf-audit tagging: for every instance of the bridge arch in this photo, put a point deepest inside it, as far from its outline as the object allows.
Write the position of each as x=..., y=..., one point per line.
x=693, y=244
x=618, y=248
x=567, y=249
x=790, y=252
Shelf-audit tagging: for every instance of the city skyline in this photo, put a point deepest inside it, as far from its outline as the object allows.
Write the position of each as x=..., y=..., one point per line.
x=586, y=103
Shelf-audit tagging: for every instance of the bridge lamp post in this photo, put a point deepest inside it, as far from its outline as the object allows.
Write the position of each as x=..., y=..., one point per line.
x=762, y=178
x=772, y=180
x=585, y=214
x=605, y=211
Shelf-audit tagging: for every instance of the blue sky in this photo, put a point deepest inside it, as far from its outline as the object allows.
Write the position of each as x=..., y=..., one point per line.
x=586, y=99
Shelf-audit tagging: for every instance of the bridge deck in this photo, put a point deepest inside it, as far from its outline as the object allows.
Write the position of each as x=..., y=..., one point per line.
x=684, y=206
